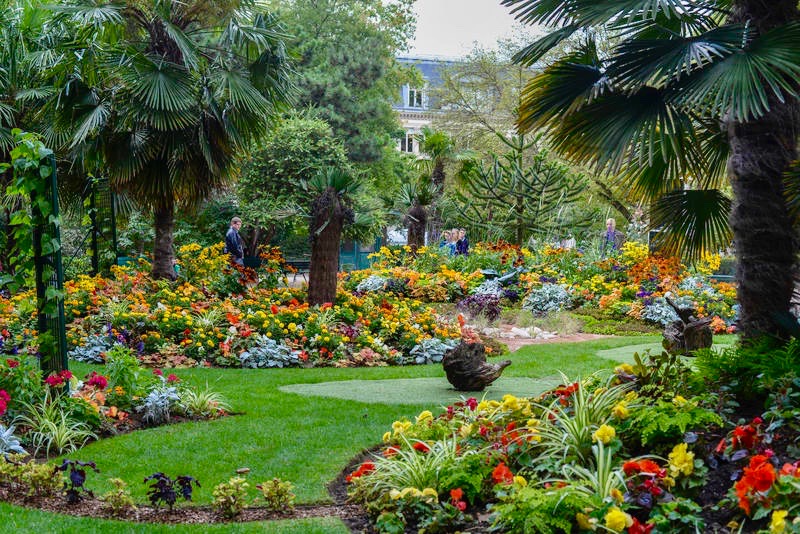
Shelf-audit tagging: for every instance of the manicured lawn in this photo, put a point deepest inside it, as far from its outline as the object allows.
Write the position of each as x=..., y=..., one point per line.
x=305, y=439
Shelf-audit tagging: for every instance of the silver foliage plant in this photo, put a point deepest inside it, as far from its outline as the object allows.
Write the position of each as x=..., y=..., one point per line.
x=546, y=299
x=8, y=441
x=269, y=353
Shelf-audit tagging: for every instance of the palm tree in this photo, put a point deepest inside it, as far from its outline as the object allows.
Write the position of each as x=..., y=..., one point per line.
x=165, y=96
x=689, y=95
x=438, y=149
x=331, y=210
x=416, y=199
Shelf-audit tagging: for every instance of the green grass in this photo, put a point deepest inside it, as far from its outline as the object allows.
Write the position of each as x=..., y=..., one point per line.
x=22, y=520
x=304, y=438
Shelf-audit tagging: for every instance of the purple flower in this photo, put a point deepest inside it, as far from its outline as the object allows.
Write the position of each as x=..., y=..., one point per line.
x=644, y=293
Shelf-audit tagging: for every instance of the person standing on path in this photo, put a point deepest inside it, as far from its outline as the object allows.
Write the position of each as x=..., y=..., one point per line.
x=233, y=242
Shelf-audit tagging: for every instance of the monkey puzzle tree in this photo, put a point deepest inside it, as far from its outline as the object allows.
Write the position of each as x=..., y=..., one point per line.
x=519, y=194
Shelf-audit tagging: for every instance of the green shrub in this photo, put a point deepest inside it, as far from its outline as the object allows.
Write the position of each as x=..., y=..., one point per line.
x=277, y=495
x=119, y=499
x=230, y=497
x=540, y=510
x=665, y=422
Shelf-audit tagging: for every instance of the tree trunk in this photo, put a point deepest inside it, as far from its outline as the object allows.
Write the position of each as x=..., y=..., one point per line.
x=327, y=221
x=761, y=151
x=436, y=222
x=163, y=254
x=416, y=220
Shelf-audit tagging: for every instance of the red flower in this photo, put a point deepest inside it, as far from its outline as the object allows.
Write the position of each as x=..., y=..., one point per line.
x=390, y=451
x=173, y=378
x=461, y=505
x=5, y=398
x=421, y=446
x=640, y=528
x=502, y=474
x=456, y=494
x=66, y=375
x=158, y=372
x=273, y=309
x=758, y=477
x=472, y=403
x=54, y=381
x=363, y=469
x=12, y=363
x=97, y=380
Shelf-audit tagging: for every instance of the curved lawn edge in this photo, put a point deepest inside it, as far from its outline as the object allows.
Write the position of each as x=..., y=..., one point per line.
x=625, y=354
x=428, y=391
x=21, y=519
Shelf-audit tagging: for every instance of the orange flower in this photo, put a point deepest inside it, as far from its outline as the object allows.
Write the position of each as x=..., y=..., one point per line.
x=502, y=474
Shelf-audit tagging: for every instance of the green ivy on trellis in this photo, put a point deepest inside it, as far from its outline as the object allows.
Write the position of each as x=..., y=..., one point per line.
x=31, y=163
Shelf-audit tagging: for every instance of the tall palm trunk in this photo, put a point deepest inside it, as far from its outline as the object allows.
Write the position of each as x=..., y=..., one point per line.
x=416, y=220
x=327, y=221
x=436, y=220
x=761, y=151
x=164, y=216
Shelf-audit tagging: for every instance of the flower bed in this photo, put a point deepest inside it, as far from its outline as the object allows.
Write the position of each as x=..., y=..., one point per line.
x=221, y=315
x=618, y=454
x=630, y=285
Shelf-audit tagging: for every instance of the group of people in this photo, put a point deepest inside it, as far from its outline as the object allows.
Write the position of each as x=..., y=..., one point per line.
x=455, y=242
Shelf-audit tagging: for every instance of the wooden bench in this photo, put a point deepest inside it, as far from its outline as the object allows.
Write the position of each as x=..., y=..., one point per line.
x=301, y=267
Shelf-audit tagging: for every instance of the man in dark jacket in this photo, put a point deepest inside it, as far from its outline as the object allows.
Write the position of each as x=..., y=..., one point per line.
x=233, y=242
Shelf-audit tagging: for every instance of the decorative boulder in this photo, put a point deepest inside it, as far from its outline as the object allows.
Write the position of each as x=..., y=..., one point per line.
x=467, y=369
x=687, y=334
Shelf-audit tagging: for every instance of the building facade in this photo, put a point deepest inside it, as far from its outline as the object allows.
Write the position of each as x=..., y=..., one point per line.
x=417, y=106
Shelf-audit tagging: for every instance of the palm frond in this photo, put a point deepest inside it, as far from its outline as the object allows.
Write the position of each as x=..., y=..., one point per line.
x=561, y=88
x=90, y=14
x=742, y=84
x=583, y=13
x=534, y=51
x=692, y=222
x=187, y=47
x=657, y=62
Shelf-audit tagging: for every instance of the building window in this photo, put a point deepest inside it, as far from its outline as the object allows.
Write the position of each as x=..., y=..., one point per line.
x=407, y=143
x=415, y=98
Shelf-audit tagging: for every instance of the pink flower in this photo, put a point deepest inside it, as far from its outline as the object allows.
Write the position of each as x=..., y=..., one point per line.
x=158, y=372
x=97, y=380
x=173, y=378
x=54, y=381
x=472, y=403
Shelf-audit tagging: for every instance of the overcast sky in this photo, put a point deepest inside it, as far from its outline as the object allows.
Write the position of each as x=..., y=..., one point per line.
x=451, y=27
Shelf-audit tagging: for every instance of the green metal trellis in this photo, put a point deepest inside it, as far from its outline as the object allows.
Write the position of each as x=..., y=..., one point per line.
x=49, y=278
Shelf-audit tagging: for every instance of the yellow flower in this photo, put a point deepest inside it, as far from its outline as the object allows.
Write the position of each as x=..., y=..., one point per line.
x=624, y=368
x=430, y=492
x=520, y=481
x=585, y=522
x=681, y=461
x=617, y=495
x=679, y=401
x=387, y=436
x=424, y=416
x=777, y=524
x=510, y=402
x=398, y=427
x=465, y=430
x=620, y=411
x=605, y=434
x=617, y=520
